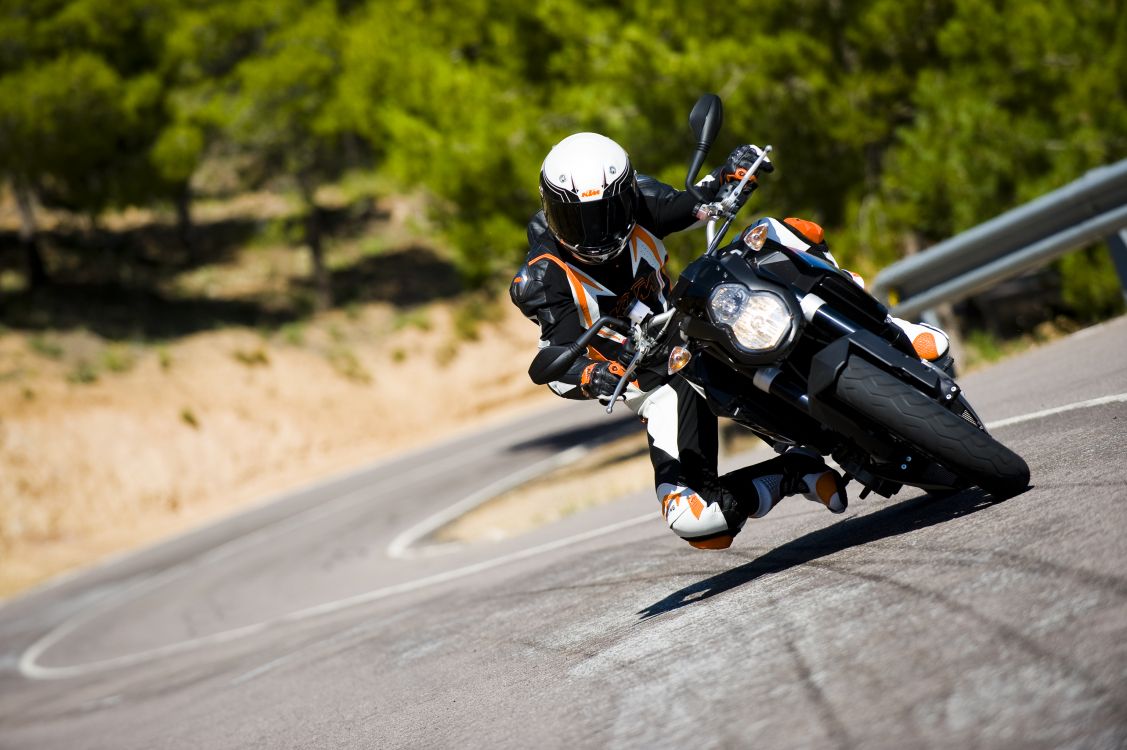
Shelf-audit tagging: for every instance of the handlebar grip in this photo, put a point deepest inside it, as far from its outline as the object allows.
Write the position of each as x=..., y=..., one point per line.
x=552, y=362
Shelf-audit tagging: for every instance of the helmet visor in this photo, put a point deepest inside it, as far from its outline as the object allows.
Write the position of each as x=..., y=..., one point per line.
x=595, y=228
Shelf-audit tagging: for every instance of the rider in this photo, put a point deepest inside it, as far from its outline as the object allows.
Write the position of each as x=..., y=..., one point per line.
x=596, y=249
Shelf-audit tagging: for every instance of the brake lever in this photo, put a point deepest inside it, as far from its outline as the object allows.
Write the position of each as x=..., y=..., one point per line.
x=728, y=208
x=625, y=379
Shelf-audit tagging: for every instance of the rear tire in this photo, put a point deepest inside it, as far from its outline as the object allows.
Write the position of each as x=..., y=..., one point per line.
x=912, y=416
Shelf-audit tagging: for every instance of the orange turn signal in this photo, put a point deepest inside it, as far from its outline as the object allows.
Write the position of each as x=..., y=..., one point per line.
x=678, y=359
x=756, y=238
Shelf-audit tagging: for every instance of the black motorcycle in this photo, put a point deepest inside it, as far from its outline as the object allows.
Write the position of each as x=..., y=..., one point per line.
x=792, y=348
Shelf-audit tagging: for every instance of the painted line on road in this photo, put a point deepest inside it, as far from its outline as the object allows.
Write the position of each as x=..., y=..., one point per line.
x=310, y=514
x=1103, y=400
x=28, y=663
x=402, y=546
x=227, y=549
x=29, y=667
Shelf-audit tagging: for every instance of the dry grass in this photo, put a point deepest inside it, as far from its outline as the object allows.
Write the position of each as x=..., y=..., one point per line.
x=199, y=427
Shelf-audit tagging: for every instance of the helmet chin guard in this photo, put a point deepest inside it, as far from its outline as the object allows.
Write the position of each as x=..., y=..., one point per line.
x=589, y=194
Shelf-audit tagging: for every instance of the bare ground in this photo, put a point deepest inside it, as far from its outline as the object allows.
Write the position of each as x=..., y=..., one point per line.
x=220, y=419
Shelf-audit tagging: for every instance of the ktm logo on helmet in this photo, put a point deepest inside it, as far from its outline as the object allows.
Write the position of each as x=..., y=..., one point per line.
x=589, y=193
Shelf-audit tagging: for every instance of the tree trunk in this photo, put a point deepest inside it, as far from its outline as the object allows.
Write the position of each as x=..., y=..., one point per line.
x=29, y=237
x=184, y=226
x=323, y=292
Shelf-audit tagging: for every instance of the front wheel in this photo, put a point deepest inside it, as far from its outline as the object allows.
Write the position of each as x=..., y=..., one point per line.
x=955, y=443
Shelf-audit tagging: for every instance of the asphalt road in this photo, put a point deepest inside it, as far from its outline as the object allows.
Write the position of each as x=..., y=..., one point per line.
x=323, y=619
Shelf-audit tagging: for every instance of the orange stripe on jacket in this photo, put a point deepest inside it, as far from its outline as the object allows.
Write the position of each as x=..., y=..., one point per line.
x=576, y=285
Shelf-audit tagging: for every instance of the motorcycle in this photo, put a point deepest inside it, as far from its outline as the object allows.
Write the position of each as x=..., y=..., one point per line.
x=792, y=348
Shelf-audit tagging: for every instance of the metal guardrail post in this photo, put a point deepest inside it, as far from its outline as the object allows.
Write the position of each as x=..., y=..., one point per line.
x=1117, y=244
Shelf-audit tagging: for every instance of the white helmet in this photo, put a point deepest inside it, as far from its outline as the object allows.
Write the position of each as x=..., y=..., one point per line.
x=588, y=191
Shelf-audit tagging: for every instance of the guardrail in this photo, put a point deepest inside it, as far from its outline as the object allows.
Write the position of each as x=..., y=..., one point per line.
x=1091, y=208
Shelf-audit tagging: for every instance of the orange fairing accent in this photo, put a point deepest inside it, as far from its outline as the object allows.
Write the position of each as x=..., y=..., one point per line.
x=926, y=347
x=716, y=542
x=807, y=229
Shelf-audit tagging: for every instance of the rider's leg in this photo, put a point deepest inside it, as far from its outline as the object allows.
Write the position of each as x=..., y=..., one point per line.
x=816, y=481
x=682, y=434
x=706, y=510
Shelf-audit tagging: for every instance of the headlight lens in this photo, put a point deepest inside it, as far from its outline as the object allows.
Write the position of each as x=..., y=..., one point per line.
x=759, y=320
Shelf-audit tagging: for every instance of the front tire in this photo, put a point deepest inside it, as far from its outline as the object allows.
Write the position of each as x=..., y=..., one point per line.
x=910, y=415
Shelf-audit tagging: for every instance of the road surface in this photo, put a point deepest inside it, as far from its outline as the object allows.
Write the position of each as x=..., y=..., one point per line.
x=324, y=619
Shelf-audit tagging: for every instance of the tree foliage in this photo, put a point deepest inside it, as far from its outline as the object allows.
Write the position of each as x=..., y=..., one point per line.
x=895, y=123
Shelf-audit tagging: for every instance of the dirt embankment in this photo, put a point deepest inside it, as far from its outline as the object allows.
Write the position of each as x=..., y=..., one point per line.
x=220, y=419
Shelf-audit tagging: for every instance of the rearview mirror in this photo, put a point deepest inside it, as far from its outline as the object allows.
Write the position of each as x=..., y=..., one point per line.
x=706, y=118
x=705, y=121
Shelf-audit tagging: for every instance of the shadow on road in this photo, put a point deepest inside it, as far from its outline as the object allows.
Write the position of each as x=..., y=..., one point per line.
x=603, y=432
x=910, y=515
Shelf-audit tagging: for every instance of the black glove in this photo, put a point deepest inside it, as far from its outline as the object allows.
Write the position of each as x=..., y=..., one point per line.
x=599, y=379
x=740, y=160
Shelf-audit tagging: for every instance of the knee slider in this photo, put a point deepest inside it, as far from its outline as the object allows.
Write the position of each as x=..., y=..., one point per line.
x=692, y=519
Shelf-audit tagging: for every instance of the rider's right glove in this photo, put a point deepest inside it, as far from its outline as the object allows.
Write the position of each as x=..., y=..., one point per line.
x=599, y=379
x=739, y=161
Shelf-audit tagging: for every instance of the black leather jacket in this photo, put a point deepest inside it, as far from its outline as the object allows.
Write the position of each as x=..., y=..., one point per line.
x=565, y=295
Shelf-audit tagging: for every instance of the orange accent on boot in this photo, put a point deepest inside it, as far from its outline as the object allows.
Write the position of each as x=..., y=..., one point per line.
x=696, y=505
x=716, y=542
x=807, y=229
x=925, y=346
x=665, y=504
x=826, y=487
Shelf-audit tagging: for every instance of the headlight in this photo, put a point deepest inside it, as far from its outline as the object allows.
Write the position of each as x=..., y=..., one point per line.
x=759, y=320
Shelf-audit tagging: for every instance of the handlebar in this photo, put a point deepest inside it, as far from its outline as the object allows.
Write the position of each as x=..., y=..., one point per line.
x=552, y=362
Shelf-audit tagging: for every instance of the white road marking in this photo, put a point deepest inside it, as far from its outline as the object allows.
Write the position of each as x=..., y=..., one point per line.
x=30, y=668
x=28, y=663
x=313, y=513
x=267, y=667
x=401, y=546
x=1118, y=397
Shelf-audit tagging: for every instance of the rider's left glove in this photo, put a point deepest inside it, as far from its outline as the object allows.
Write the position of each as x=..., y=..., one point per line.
x=599, y=379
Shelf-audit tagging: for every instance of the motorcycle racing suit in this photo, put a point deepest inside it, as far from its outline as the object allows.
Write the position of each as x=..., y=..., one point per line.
x=565, y=296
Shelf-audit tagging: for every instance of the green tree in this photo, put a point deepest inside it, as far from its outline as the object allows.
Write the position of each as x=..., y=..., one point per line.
x=80, y=102
x=268, y=84
x=448, y=98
